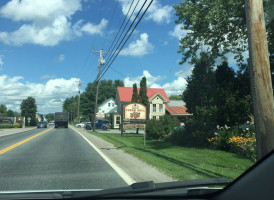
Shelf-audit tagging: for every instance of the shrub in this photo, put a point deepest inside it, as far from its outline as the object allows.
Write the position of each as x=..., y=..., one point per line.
x=239, y=140
x=16, y=125
x=196, y=133
x=159, y=129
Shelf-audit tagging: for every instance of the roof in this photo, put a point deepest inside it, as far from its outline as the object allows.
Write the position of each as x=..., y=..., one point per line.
x=177, y=110
x=176, y=103
x=106, y=101
x=113, y=110
x=125, y=93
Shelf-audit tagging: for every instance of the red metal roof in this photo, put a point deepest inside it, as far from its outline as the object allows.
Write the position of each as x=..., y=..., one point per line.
x=125, y=93
x=177, y=110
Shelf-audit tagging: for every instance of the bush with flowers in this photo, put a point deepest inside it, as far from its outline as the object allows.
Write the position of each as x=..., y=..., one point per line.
x=239, y=140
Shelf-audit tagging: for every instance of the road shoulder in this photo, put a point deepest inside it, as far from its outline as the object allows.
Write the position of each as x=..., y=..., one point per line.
x=131, y=166
x=10, y=131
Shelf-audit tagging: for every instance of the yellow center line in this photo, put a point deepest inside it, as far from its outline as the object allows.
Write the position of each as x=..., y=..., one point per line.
x=22, y=142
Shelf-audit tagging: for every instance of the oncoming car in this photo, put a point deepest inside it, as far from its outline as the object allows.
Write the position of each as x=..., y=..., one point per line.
x=42, y=125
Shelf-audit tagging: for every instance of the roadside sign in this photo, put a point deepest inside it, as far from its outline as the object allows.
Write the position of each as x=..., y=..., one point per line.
x=132, y=126
x=135, y=111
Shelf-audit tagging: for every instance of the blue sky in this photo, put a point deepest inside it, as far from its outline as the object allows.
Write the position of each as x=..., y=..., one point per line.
x=45, y=46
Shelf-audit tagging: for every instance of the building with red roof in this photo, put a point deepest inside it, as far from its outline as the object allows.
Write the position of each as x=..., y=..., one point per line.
x=159, y=104
x=177, y=109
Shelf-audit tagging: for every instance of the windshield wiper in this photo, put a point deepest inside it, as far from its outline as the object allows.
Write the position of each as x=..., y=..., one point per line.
x=150, y=186
x=192, y=187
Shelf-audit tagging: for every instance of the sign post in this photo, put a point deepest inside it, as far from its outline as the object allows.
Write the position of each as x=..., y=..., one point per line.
x=145, y=137
x=134, y=116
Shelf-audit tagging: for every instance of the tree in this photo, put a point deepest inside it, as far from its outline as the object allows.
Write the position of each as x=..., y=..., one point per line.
x=232, y=107
x=176, y=97
x=199, y=97
x=143, y=98
x=10, y=113
x=3, y=109
x=135, y=95
x=217, y=27
x=29, y=109
x=49, y=117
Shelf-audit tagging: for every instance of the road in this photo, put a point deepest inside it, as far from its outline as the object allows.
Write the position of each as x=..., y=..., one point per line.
x=45, y=159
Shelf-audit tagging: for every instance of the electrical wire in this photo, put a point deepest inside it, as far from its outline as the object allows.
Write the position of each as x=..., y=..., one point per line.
x=126, y=39
x=125, y=33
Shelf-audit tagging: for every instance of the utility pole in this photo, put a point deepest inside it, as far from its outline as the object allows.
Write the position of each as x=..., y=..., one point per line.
x=79, y=87
x=262, y=93
x=101, y=62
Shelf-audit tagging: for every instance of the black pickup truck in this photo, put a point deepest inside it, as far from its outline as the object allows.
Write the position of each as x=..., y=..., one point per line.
x=61, y=119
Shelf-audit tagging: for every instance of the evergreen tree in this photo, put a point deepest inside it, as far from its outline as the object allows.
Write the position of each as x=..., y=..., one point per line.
x=135, y=95
x=232, y=108
x=143, y=98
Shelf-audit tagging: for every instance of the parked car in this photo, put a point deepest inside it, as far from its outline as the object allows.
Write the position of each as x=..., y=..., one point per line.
x=81, y=125
x=42, y=125
x=100, y=124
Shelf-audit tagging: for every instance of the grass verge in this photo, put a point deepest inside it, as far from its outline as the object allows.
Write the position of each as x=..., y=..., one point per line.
x=182, y=163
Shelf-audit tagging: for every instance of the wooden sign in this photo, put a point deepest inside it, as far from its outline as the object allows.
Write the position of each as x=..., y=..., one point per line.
x=135, y=111
x=133, y=126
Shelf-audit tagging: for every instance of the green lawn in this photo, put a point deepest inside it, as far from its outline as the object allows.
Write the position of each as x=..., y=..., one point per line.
x=180, y=162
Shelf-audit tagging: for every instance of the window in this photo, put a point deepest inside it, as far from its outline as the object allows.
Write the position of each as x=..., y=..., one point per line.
x=108, y=104
x=154, y=108
x=160, y=107
x=112, y=104
x=153, y=117
x=118, y=119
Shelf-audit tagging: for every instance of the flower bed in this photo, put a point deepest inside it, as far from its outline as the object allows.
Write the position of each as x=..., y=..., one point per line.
x=239, y=140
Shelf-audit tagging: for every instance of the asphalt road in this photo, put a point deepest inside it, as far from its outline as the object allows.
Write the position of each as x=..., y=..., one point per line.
x=56, y=159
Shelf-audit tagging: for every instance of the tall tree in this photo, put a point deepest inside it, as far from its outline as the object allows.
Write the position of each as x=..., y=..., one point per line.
x=135, y=95
x=218, y=27
x=199, y=97
x=232, y=108
x=29, y=109
x=3, y=109
x=143, y=98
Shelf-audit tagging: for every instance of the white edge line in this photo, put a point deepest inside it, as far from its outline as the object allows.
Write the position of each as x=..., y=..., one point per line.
x=118, y=169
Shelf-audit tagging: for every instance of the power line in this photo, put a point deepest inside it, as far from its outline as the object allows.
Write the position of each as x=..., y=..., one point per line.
x=123, y=24
x=108, y=59
x=127, y=37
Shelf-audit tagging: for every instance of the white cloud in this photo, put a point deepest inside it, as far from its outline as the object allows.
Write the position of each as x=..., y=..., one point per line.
x=48, y=96
x=139, y=47
x=150, y=79
x=95, y=29
x=178, y=32
x=159, y=13
x=39, y=11
x=156, y=12
x=45, y=23
x=177, y=86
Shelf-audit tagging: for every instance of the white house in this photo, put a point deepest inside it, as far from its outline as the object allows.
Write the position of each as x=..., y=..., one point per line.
x=106, y=107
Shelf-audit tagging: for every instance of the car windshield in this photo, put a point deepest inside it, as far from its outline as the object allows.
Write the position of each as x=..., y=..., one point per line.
x=132, y=90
